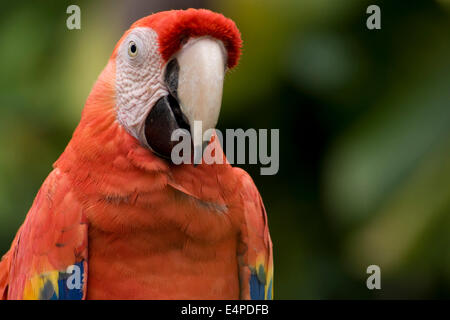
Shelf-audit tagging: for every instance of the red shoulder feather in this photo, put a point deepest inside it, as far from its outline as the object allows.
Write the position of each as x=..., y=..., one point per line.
x=52, y=239
x=255, y=250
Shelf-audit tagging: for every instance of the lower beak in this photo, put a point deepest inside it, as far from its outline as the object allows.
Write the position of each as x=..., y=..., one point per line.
x=195, y=80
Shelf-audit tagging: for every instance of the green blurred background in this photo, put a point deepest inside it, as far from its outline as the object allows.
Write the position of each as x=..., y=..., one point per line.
x=364, y=119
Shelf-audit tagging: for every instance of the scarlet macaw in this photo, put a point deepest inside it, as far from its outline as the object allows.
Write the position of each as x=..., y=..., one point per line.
x=135, y=225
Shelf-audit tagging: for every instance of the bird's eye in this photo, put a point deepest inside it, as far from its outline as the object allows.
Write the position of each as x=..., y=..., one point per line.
x=132, y=49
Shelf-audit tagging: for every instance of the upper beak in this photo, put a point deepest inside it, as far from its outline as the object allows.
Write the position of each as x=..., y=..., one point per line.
x=194, y=78
x=200, y=86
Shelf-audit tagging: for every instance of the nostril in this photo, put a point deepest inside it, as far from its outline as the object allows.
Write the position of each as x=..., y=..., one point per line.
x=183, y=40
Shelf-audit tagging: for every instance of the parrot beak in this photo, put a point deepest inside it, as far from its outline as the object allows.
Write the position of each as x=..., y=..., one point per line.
x=200, y=85
x=194, y=78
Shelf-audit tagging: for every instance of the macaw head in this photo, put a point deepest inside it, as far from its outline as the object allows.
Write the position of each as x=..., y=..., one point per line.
x=169, y=72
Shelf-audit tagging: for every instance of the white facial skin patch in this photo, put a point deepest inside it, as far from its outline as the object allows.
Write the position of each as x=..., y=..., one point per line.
x=139, y=80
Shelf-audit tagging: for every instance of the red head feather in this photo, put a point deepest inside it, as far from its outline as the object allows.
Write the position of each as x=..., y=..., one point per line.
x=175, y=26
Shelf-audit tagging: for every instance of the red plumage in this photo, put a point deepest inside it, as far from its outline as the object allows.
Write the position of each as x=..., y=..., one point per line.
x=142, y=227
x=174, y=26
